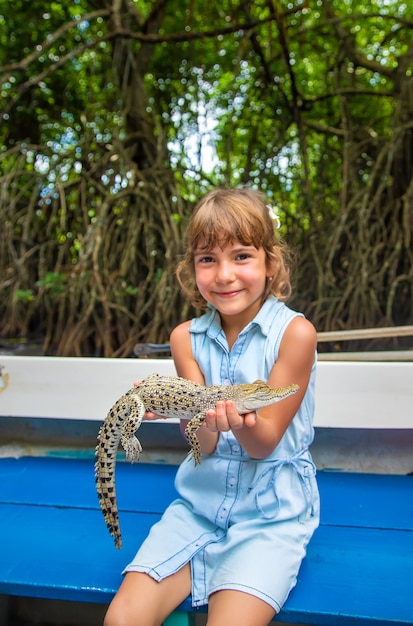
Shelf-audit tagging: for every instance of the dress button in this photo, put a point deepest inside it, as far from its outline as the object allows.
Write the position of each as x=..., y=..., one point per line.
x=235, y=448
x=232, y=481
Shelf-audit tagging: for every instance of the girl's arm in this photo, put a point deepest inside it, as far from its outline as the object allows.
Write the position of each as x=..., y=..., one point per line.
x=260, y=432
x=187, y=367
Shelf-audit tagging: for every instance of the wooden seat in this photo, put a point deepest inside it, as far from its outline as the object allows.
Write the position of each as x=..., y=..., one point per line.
x=54, y=543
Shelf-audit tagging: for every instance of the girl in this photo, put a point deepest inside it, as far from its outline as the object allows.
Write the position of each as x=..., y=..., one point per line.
x=237, y=535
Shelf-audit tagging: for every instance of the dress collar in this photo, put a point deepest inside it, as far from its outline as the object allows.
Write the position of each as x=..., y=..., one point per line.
x=210, y=322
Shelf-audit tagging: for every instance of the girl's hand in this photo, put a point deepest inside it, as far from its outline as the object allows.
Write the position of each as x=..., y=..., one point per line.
x=153, y=416
x=226, y=417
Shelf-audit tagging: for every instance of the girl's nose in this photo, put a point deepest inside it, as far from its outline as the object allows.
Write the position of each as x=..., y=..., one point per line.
x=225, y=273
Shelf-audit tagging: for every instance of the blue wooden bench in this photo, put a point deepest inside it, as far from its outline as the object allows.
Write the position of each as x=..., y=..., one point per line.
x=53, y=541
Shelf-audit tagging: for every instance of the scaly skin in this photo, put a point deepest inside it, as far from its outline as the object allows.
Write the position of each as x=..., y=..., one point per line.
x=168, y=396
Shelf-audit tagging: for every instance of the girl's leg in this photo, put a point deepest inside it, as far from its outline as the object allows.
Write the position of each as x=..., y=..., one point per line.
x=236, y=608
x=141, y=601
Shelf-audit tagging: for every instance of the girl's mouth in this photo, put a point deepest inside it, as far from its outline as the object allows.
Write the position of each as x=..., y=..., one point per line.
x=227, y=294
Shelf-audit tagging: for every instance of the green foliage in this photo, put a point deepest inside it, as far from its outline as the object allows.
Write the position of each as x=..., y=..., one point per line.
x=24, y=295
x=115, y=122
x=54, y=283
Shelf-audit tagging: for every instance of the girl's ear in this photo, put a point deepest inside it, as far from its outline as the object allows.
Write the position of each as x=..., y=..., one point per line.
x=273, y=263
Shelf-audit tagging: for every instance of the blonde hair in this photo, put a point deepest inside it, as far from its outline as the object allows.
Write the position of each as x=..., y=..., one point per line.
x=224, y=216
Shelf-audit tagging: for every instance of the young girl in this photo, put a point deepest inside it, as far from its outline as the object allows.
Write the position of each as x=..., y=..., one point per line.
x=237, y=535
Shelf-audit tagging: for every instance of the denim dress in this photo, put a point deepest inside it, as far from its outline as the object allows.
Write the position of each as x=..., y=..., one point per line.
x=243, y=524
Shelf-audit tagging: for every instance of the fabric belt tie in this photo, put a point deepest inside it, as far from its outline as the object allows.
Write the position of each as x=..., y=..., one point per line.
x=297, y=461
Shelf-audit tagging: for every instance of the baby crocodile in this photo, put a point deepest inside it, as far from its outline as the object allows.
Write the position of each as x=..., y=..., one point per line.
x=168, y=396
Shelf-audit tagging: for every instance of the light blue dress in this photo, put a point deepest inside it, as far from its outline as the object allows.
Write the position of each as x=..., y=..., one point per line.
x=243, y=524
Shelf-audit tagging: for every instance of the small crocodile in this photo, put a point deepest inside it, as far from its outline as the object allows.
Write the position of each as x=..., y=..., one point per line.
x=167, y=396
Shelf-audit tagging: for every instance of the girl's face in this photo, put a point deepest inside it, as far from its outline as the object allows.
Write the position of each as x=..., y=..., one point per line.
x=232, y=279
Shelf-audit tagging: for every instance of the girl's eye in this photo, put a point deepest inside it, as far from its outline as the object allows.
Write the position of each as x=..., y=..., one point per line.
x=205, y=259
x=243, y=256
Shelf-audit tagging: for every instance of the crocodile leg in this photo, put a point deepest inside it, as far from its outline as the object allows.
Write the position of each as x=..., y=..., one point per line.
x=190, y=433
x=134, y=411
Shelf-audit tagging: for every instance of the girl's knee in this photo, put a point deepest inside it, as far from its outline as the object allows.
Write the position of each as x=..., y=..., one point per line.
x=116, y=617
x=236, y=608
x=142, y=601
x=124, y=613
x=123, y=618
